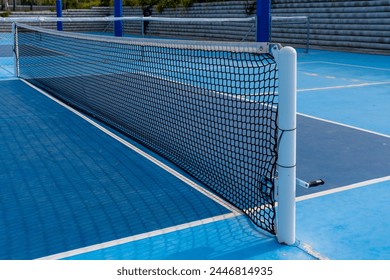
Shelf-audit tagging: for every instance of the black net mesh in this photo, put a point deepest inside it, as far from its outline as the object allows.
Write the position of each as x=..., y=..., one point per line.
x=210, y=110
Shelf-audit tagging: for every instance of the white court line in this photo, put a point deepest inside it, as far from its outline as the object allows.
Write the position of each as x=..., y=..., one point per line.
x=354, y=65
x=344, y=64
x=344, y=86
x=138, y=237
x=308, y=249
x=357, y=185
x=345, y=188
x=142, y=153
x=8, y=79
x=235, y=211
x=352, y=186
x=345, y=125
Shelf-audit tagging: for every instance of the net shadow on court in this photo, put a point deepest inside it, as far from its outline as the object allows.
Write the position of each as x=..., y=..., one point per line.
x=66, y=185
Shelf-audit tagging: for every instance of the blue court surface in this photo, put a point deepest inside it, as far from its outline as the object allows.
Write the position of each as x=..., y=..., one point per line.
x=71, y=188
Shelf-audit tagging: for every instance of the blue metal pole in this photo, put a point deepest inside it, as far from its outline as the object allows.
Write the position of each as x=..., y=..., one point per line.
x=59, y=14
x=263, y=20
x=118, y=12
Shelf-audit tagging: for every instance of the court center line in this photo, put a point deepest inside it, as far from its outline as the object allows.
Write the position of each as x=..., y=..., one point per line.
x=170, y=170
x=139, y=237
x=345, y=188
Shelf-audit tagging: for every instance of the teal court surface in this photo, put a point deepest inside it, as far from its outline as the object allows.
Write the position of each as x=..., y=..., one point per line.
x=71, y=188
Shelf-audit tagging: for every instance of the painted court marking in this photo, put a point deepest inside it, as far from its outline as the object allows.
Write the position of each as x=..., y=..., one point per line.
x=142, y=153
x=345, y=188
x=234, y=211
x=139, y=237
x=344, y=86
x=345, y=64
x=345, y=125
x=334, y=77
x=352, y=186
x=354, y=65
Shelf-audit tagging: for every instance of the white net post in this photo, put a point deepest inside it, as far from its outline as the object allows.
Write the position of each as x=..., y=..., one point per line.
x=286, y=163
x=16, y=50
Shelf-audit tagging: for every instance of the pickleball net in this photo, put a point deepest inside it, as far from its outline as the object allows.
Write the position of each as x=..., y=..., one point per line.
x=210, y=108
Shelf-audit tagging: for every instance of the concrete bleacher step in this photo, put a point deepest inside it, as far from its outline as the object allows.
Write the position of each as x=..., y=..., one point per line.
x=346, y=25
x=362, y=26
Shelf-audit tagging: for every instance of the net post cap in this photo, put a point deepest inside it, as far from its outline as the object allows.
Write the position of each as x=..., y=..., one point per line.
x=288, y=50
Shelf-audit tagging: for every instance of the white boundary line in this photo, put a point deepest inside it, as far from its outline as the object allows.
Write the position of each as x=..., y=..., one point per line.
x=345, y=188
x=343, y=64
x=309, y=250
x=344, y=86
x=234, y=211
x=354, y=65
x=138, y=237
x=8, y=79
x=345, y=125
x=142, y=153
x=352, y=186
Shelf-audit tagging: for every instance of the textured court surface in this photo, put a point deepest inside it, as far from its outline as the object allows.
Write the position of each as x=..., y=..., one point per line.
x=65, y=185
